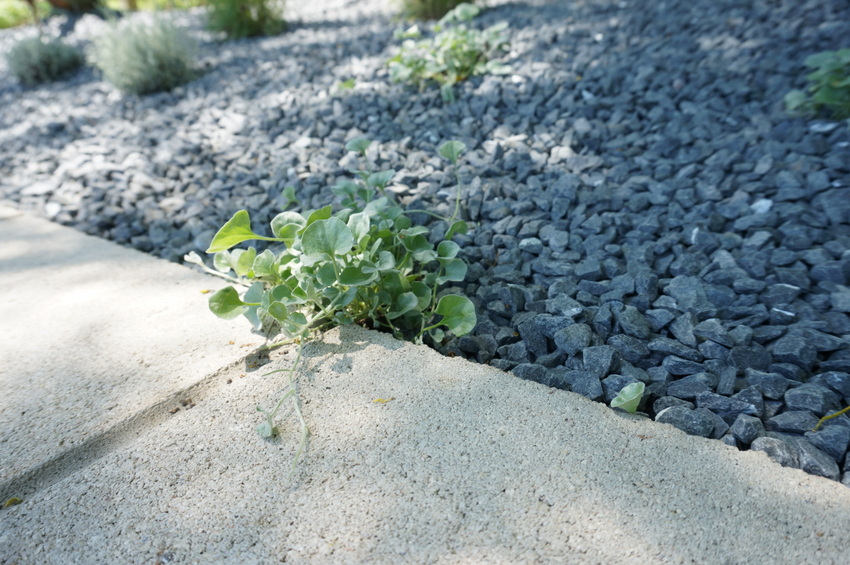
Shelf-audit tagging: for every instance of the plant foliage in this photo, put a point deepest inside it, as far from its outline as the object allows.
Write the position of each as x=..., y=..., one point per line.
x=245, y=18
x=34, y=60
x=454, y=53
x=139, y=57
x=19, y=12
x=366, y=264
x=427, y=9
x=829, y=89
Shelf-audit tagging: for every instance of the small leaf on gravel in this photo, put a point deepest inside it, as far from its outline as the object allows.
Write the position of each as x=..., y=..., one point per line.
x=629, y=397
x=451, y=151
x=358, y=145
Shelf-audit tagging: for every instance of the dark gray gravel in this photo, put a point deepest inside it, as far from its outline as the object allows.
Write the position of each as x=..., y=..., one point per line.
x=643, y=209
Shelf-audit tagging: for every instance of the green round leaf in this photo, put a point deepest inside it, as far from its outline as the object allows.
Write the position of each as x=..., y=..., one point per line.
x=447, y=249
x=423, y=294
x=264, y=265
x=458, y=314
x=451, y=151
x=320, y=214
x=278, y=311
x=242, y=260
x=226, y=303
x=358, y=145
x=405, y=302
x=326, y=274
x=254, y=295
x=355, y=276
x=358, y=224
x=629, y=397
x=455, y=270
x=380, y=179
x=286, y=224
x=326, y=238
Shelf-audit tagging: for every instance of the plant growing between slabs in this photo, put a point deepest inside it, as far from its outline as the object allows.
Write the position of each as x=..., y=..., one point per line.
x=455, y=52
x=366, y=264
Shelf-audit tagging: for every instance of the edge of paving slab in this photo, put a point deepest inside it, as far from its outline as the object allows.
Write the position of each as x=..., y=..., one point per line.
x=95, y=335
x=419, y=458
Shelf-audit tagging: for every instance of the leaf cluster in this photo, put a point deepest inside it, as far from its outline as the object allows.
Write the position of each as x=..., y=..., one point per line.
x=829, y=87
x=454, y=53
x=141, y=58
x=35, y=61
x=365, y=264
x=244, y=18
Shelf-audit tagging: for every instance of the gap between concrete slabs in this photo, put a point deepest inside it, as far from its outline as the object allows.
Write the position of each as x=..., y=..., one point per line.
x=93, y=334
x=418, y=458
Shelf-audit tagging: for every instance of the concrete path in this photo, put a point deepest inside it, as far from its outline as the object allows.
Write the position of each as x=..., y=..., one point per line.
x=127, y=430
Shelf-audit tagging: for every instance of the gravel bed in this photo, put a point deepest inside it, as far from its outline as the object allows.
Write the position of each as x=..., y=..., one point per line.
x=643, y=209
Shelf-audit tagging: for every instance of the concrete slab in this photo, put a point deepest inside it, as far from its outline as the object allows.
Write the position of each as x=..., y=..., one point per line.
x=92, y=333
x=418, y=458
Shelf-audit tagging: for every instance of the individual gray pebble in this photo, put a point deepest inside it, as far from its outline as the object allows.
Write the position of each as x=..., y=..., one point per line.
x=688, y=388
x=771, y=385
x=778, y=450
x=697, y=422
x=584, y=384
x=573, y=338
x=796, y=421
x=747, y=428
x=811, y=397
x=832, y=440
x=600, y=360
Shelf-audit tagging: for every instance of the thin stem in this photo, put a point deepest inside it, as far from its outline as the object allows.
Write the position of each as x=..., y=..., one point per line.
x=222, y=275
x=457, y=194
x=428, y=212
x=296, y=408
x=825, y=418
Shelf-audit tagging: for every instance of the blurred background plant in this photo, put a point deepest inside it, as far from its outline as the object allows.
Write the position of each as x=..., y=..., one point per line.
x=14, y=13
x=36, y=60
x=829, y=86
x=454, y=52
x=19, y=12
x=142, y=57
x=75, y=5
x=428, y=9
x=246, y=18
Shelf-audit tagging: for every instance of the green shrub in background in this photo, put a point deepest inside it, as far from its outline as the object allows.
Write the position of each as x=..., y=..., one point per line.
x=141, y=58
x=245, y=18
x=455, y=53
x=829, y=89
x=427, y=9
x=14, y=13
x=75, y=5
x=35, y=60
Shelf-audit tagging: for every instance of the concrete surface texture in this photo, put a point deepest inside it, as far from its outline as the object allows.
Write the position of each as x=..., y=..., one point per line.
x=413, y=457
x=93, y=333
